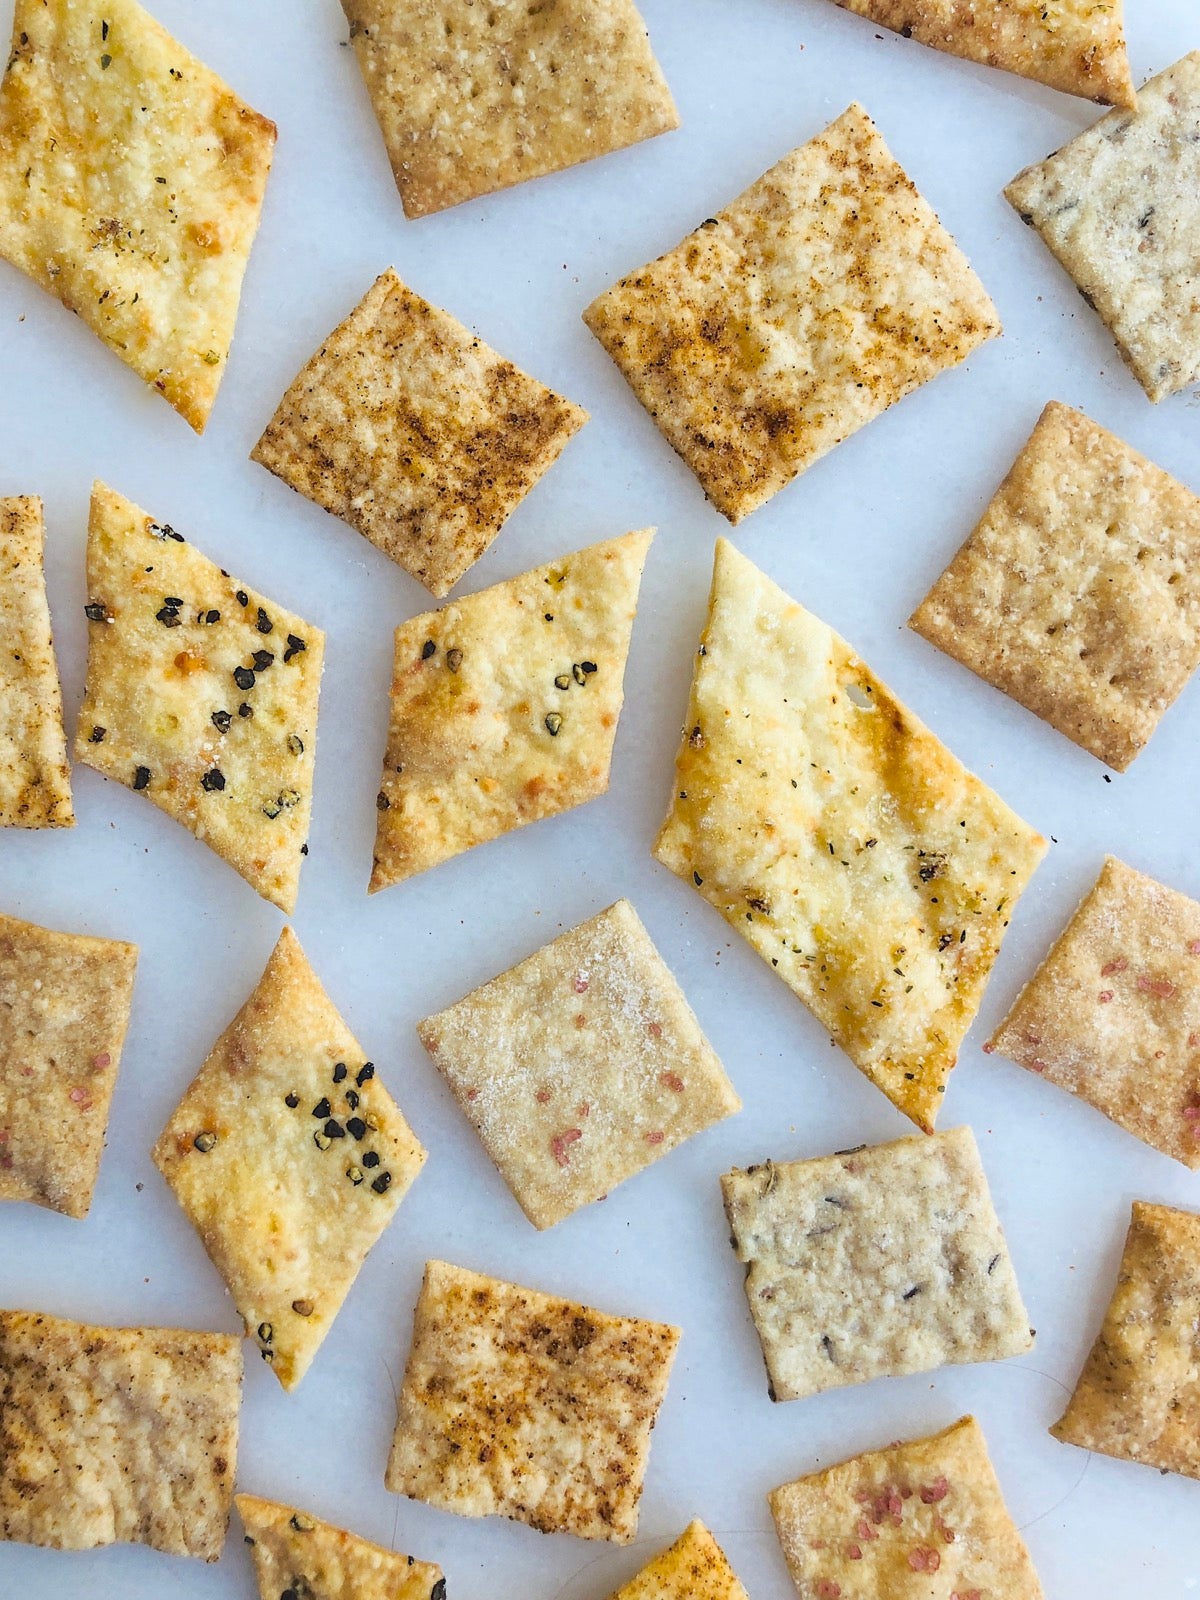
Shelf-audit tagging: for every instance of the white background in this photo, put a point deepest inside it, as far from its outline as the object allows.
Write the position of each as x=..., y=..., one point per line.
x=858, y=539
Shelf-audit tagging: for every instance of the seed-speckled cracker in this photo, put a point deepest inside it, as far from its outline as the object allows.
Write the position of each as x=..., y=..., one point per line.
x=522, y=1405
x=581, y=1066
x=116, y=1435
x=505, y=706
x=822, y=295
x=290, y=1158
x=1119, y=207
x=840, y=837
x=474, y=98
x=297, y=1554
x=131, y=183
x=200, y=694
x=411, y=429
x=693, y=1568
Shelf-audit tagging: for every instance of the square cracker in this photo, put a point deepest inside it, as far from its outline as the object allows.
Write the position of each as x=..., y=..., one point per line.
x=523, y=1405
x=1078, y=593
x=822, y=295
x=840, y=837
x=64, y=1009
x=289, y=1158
x=411, y=429
x=474, y=98
x=116, y=1435
x=295, y=1553
x=693, y=1568
x=1119, y=206
x=131, y=184
x=581, y=1066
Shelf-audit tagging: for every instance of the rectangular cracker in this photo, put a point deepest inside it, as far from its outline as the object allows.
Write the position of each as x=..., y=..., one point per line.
x=693, y=1568
x=298, y=1554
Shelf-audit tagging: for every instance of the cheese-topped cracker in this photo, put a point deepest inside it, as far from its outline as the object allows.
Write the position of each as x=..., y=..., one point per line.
x=822, y=295
x=131, y=183
x=840, y=837
x=581, y=1066
x=693, y=1568
x=290, y=1158
x=522, y=1405
x=415, y=432
x=505, y=706
x=298, y=1554
x=116, y=1435
x=474, y=98
x=201, y=695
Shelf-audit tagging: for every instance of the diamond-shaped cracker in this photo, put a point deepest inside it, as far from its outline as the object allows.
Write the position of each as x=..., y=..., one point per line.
x=415, y=432
x=822, y=295
x=523, y=1405
x=201, y=694
x=840, y=837
x=116, y=1435
x=64, y=1009
x=505, y=706
x=581, y=1066
x=35, y=781
x=1120, y=206
x=297, y=1554
x=1078, y=593
x=913, y=1522
x=474, y=98
x=131, y=182
x=290, y=1158
x=693, y=1568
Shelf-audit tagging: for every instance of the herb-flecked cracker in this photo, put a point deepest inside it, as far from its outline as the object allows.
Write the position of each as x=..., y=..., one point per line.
x=201, y=694
x=580, y=1066
x=822, y=295
x=411, y=429
x=505, y=706
x=693, y=1568
x=840, y=837
x=289, y=1158
x=131, y=184
x=298, y=1554
x=116, y=1435
x=523, y=1405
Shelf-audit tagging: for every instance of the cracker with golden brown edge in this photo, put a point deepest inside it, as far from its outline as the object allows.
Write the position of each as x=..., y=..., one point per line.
x=289, y=1158
x=131, y=184
x=505, y=706
x=295, y=1553
x=840, y=837
x=693, y=1568
x=201, y=694
x=116, y=1435
x=822, y=295
x=523, y=1405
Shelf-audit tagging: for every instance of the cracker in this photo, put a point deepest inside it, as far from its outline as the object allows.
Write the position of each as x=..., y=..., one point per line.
x=116, y=1435
x=840, y=837
x=1077, y=593
x=693, y=1568
x=35, y=781
x=289, y=1158
x=505, y=706
x=415, y=432
x=1118, y=207
x=201, y=694
x=295, y=1553
x=131, y=183
x=822, y=295
x=885, y=1522
x=523, y=1405
x=474, y=98
x=581, y=1066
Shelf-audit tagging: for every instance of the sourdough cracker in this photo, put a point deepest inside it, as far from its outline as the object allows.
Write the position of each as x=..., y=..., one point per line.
x=693, y=1568
x=295, y=1553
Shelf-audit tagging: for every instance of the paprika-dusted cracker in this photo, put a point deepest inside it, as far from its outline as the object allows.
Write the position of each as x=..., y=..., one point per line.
x=523, y=1405
x=298, y=1554
x=819, y=297
x=289, y=1158
x=693, y=1568
x=116, y=1435
x=411, y=429
x=1119, y=208
x=580, y=1066
x=474, y=98
x=505, y=706
x=131, y=184
x=840, y=837
x=1077, y=593
x=200, y=694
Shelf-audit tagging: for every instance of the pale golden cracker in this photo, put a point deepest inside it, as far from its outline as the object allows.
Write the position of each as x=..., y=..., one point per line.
x=840, y=837
x=693, y=1568
x=289, y=1158
x=297, y=1554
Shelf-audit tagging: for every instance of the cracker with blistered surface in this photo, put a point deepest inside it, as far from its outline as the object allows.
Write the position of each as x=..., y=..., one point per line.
x=693, y=1568
x=298, y=1554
